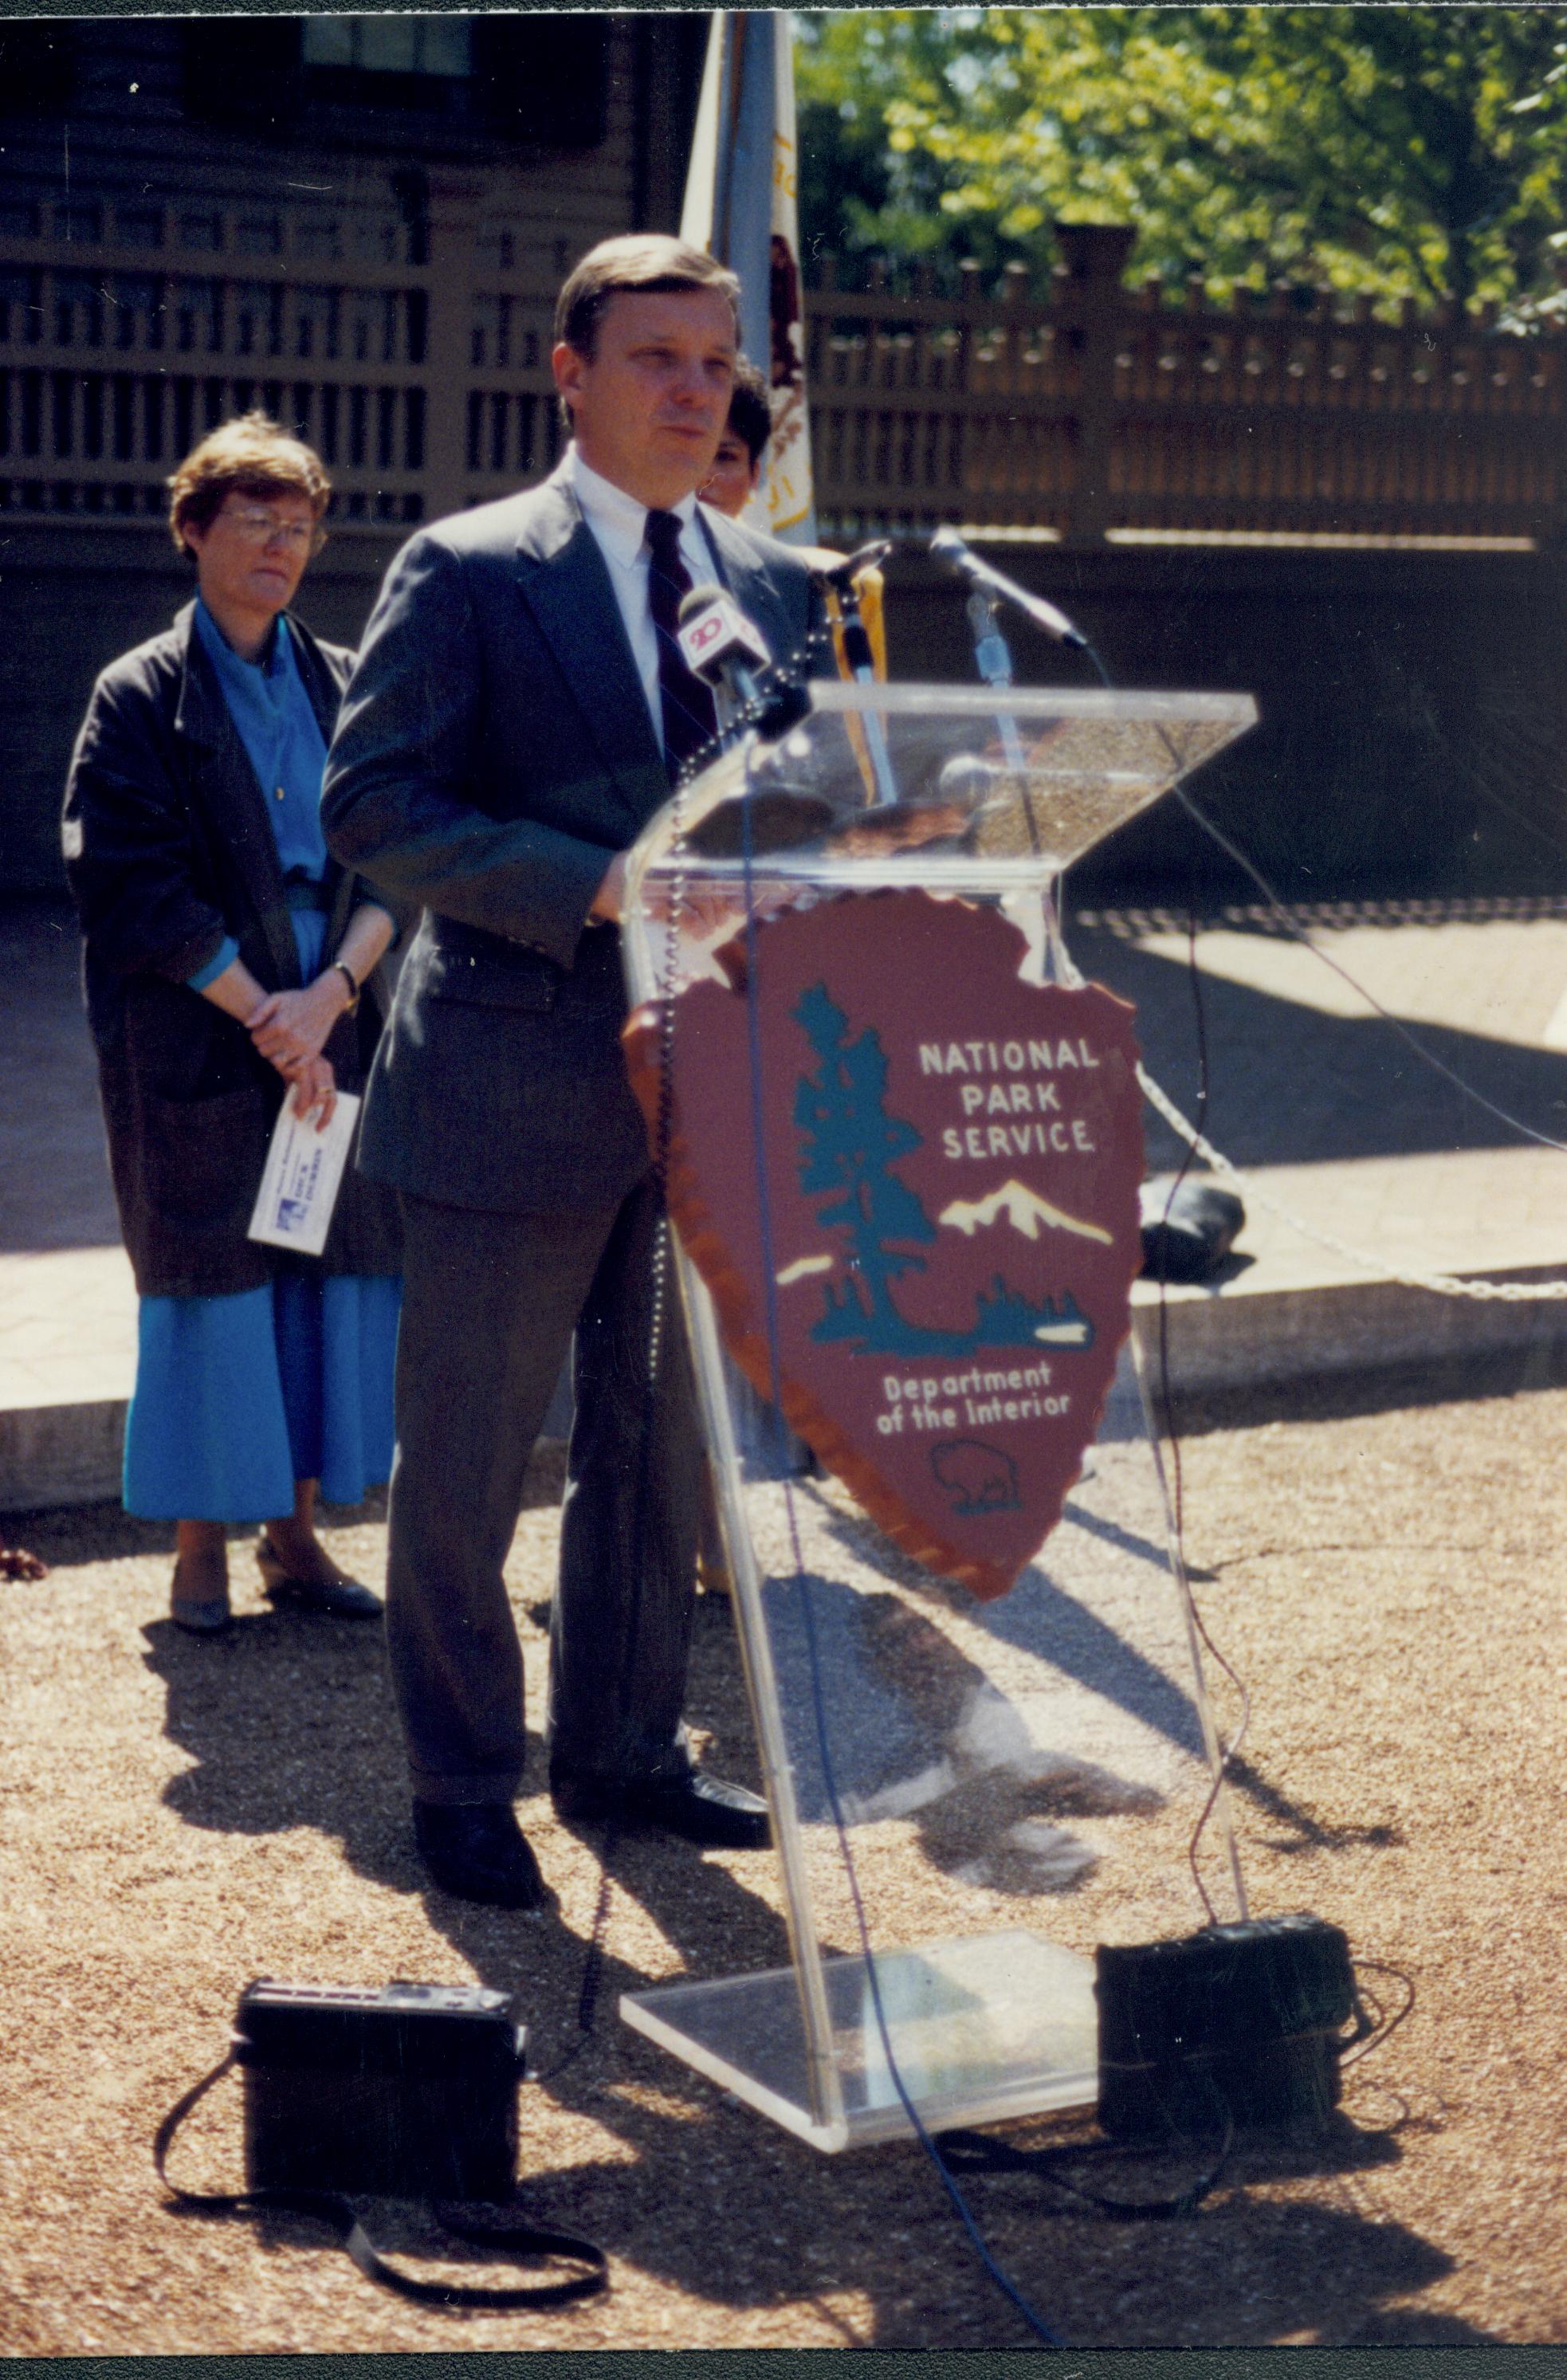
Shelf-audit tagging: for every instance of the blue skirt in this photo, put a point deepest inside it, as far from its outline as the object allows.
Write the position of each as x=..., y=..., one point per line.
x=239, y=1397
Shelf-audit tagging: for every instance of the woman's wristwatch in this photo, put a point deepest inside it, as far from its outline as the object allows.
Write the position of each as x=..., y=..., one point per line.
x=351, y=979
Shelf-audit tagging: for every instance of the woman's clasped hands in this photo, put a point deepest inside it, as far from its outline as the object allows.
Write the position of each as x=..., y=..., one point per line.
x=289, y=1029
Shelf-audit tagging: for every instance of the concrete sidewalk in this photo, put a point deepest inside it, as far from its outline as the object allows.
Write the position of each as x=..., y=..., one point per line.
x=1310, y=1091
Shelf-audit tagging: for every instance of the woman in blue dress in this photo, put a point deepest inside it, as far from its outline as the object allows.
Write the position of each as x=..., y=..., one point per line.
x=229, y=963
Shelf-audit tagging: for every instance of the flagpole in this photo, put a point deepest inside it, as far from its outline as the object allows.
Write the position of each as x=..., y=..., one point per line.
x=741, y=205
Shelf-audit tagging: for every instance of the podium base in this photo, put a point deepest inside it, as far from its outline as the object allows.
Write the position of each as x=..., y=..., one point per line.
x=983, y=2028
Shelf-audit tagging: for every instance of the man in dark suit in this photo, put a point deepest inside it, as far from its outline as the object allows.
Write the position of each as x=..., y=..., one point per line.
x=519, y=712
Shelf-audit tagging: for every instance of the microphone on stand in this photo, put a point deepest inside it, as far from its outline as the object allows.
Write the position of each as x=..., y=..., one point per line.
x=721, y=647
x=950, y=547
x=839, y=578
x=841, y=575
x=728, y=652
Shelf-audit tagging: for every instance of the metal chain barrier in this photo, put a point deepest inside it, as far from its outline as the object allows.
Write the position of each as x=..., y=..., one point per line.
x=1440, y=1284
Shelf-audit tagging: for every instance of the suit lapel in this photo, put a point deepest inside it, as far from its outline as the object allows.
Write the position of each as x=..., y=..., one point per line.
x=746, y=577
x=234, y=807
x=565, y=581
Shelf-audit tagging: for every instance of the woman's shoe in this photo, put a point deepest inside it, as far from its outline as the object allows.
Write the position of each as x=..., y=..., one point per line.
x=206, y=1615
x=344, y=1598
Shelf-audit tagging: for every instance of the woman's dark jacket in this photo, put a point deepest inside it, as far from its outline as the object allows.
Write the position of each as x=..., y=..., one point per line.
x=168, y=847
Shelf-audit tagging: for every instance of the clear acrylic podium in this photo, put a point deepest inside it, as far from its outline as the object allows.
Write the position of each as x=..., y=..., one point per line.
x=1017, y=1779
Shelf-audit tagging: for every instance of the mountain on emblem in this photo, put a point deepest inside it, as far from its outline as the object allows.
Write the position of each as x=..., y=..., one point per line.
x=1025, y=1210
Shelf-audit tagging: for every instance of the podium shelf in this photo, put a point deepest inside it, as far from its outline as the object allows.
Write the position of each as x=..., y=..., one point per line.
x=983, y=2028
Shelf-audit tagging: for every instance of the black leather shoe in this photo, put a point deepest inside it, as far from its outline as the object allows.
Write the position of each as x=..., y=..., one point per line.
x=698, y=1808
x=477, y=1851
x=344, y=1598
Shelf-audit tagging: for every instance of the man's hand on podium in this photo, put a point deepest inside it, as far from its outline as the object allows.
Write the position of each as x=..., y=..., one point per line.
x=610, y=897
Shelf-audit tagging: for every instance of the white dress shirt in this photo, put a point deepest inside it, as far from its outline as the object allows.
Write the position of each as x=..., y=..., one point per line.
x=619, y=524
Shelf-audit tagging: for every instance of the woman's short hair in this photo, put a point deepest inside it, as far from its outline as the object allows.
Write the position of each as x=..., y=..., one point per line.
x=751, y=416
x=644, y=261
x=249, y=456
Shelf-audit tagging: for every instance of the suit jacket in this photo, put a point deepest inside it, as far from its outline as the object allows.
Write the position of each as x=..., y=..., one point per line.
x=168, y=847
x=494, y=753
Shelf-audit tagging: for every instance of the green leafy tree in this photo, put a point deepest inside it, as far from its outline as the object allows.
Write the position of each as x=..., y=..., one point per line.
x=1394, y=152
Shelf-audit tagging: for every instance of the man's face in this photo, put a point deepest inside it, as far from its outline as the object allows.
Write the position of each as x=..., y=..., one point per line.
x=731, y=482
x=649, y=405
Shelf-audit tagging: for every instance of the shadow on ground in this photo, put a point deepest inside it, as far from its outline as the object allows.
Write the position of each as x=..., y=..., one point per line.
x=1292, y=1085
x=692, y=2188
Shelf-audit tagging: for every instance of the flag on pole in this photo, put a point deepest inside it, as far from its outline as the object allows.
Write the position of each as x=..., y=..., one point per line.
x=741, y=207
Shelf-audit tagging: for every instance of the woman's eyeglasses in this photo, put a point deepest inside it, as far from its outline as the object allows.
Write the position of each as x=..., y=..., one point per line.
x=264, y=528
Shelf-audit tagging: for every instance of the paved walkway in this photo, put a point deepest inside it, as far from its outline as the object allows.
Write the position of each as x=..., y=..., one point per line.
x=1339, y=1119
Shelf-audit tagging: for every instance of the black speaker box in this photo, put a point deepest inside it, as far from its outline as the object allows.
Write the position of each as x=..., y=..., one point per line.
x=1241, y=2023
x=408, y=2090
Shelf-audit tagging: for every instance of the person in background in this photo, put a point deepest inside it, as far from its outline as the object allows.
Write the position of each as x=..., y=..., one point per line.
x=736, y=467
x=734, y=480
x=229, y=962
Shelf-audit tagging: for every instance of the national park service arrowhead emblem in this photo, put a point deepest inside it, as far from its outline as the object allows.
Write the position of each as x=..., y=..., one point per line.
x=951, y=1159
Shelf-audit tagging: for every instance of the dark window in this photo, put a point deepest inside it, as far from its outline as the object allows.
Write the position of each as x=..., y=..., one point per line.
x=93, y=416
x=37, y=67
x=543, y=78
x=399, y=45
x=140, y=226
x=61, y=413
x=243, y=68
x=80, y=222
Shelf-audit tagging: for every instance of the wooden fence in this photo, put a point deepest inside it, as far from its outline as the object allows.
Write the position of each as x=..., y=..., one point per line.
x=1096, y=411
x=413, y=356
x=417, y=358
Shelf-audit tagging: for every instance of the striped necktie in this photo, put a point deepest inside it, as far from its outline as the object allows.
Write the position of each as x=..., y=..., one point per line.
x=690, y=718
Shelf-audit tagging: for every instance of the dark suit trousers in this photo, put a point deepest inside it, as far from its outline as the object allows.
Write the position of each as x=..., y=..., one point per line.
x=490, y=1304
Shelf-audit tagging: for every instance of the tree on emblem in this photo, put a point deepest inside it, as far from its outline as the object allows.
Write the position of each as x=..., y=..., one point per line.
x=848, y=1144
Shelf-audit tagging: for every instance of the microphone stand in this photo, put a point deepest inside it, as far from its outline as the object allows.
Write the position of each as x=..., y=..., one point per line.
x=840, y=585
x=993, y=658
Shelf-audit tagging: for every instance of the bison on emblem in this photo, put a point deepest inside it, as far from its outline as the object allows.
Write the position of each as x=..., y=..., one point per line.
x=981, y=1478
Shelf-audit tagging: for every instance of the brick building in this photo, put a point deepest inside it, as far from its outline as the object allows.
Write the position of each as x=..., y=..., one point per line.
x=357, y=223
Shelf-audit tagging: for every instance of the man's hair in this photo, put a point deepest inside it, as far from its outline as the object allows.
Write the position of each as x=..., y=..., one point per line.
x=751, y=416
x=249, y=456
x=644, y=261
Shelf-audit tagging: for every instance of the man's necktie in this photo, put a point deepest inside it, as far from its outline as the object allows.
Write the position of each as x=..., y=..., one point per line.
x=690, y=718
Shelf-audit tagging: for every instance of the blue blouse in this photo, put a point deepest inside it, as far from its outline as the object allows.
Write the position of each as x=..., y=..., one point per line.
x=272, y=713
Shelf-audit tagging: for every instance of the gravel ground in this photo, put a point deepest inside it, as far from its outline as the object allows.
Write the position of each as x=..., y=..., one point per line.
x=1385, y=1569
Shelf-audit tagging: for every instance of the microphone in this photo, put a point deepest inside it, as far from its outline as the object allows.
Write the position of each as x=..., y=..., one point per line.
x=721, y=646
x=727, y=652
x=841, y=576
x=951, y=548
x=840, y=580
x=966, y=778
